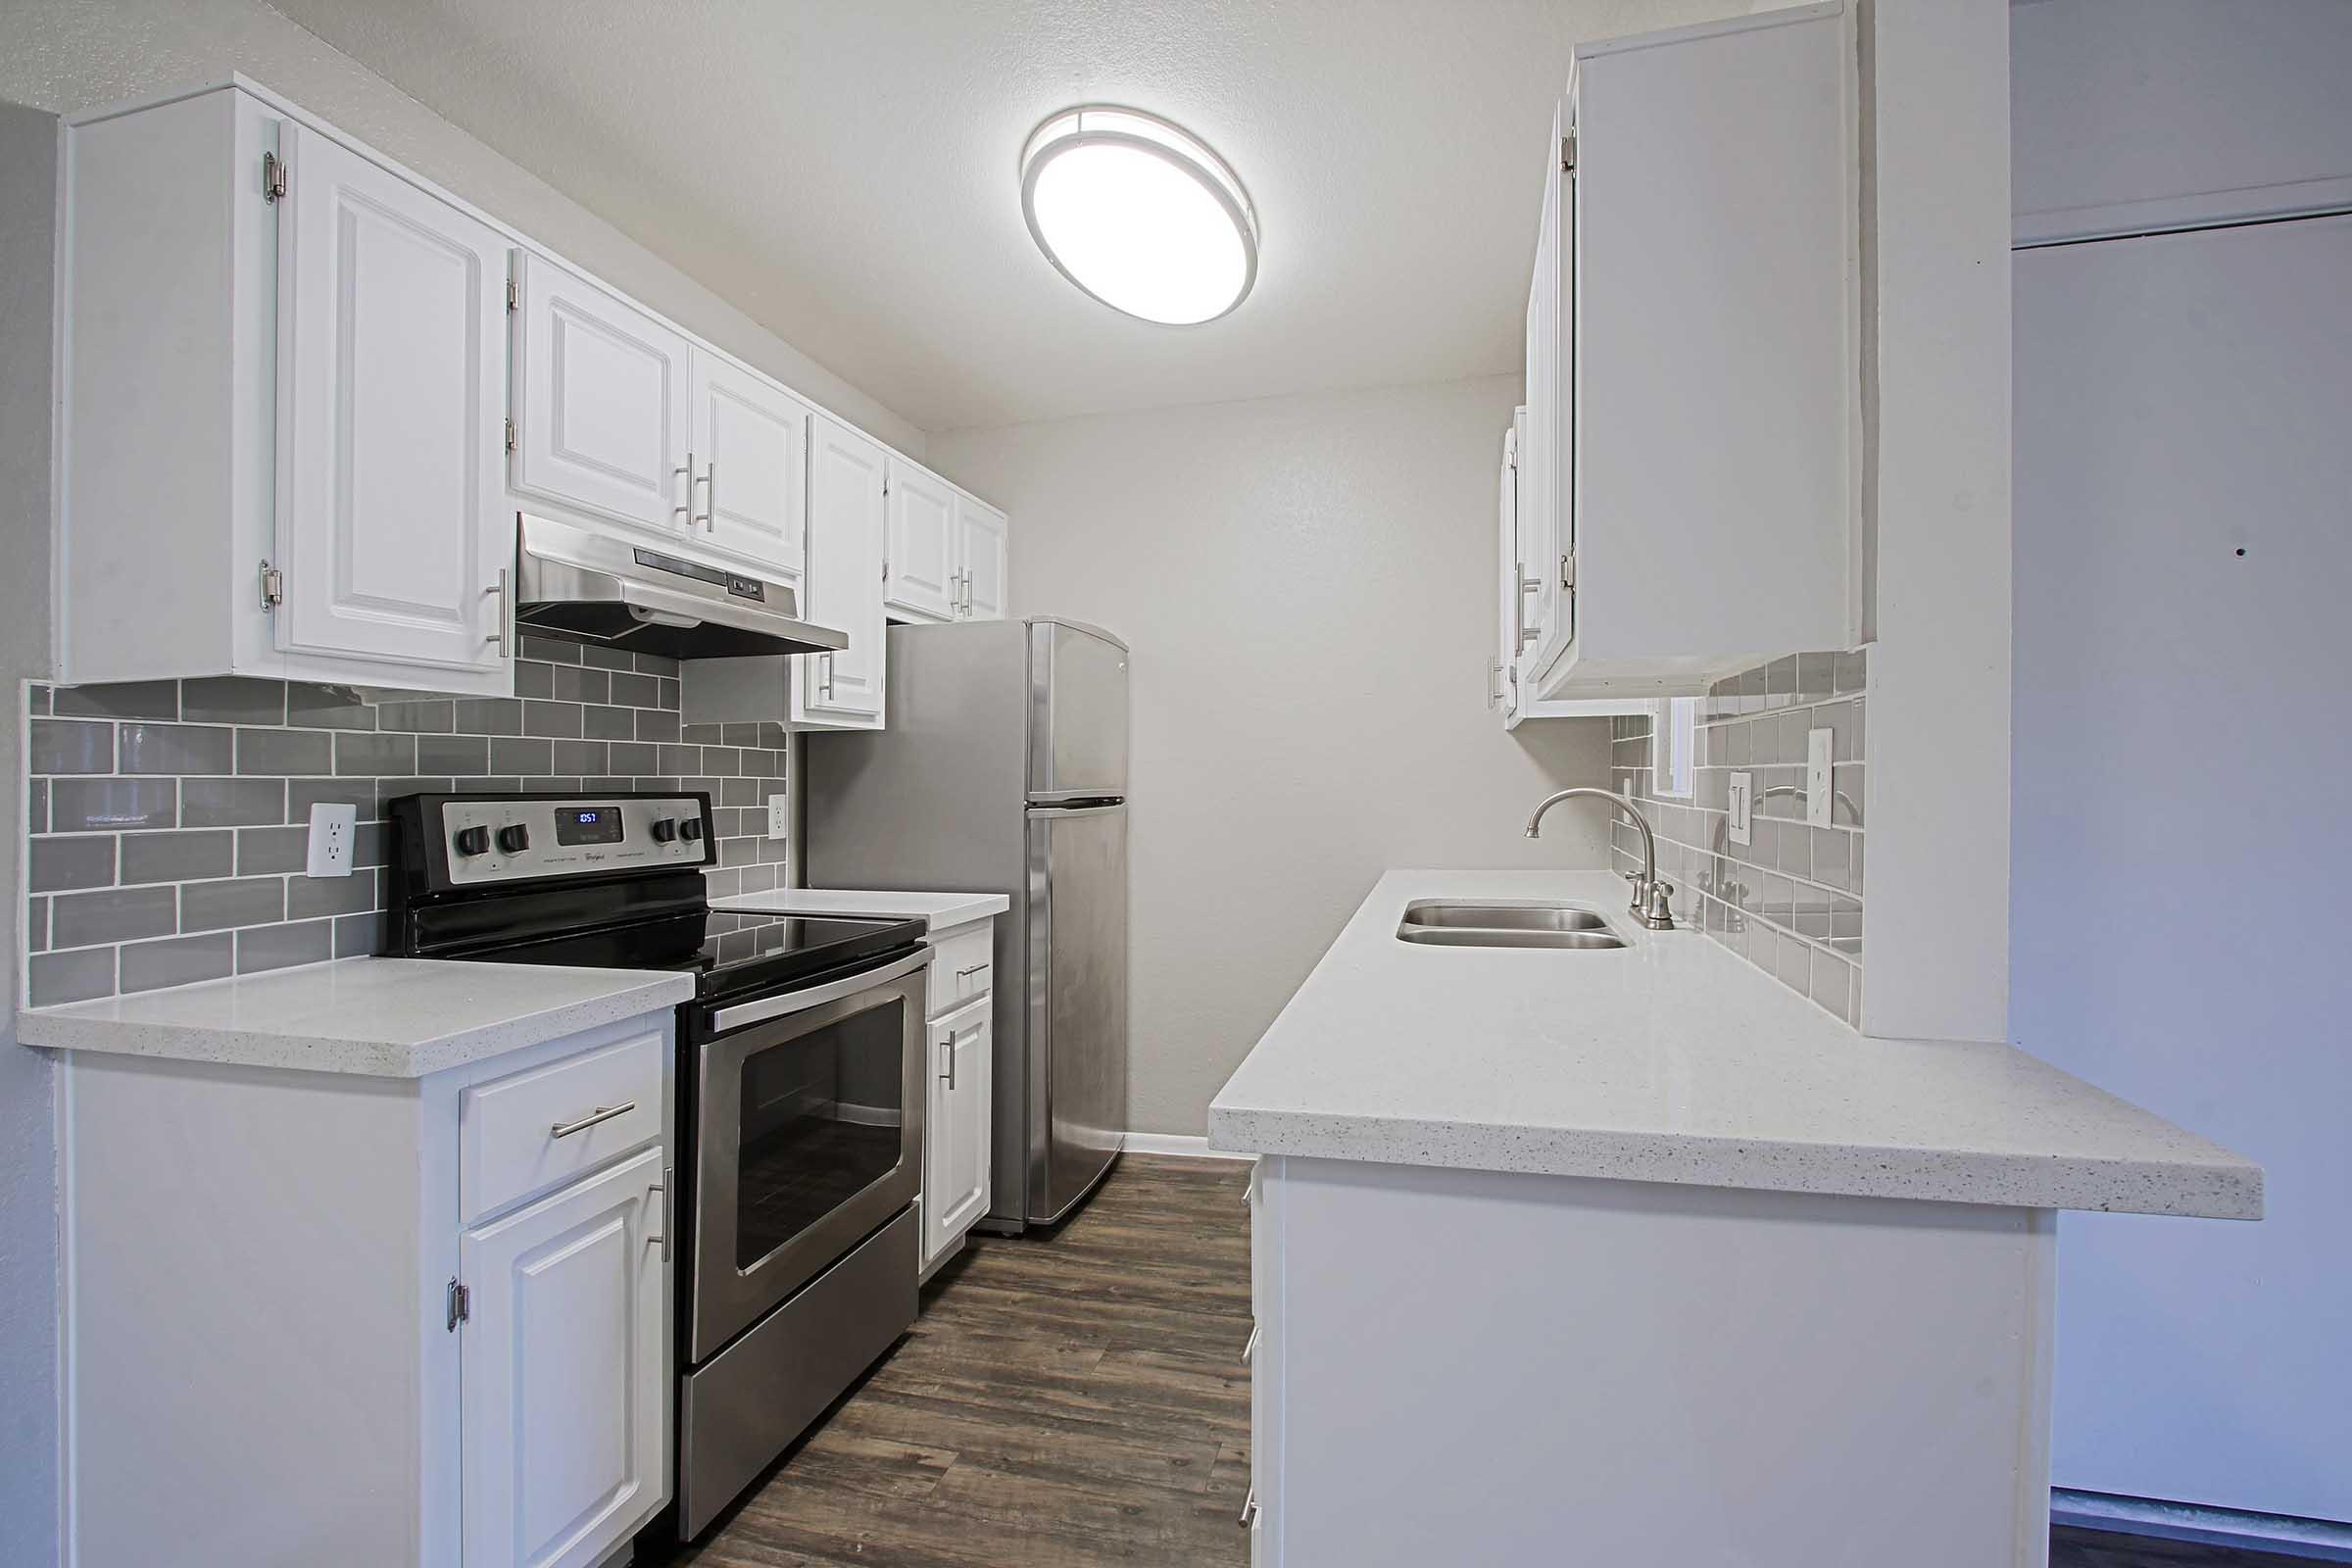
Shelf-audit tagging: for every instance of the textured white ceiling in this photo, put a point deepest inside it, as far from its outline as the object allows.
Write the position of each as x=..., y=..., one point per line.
x=845, y=173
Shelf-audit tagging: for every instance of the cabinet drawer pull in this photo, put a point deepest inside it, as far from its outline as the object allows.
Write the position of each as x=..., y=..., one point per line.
x=949, y=1077
x=1248, y=1507
x=710, y=496
x=686, y=510
x=661, y=1187
x=1250, y=1348
x=565, y=1129
x=966, y=974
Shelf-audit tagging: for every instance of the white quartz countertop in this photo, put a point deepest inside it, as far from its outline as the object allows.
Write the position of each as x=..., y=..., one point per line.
x=1673, y=1061
x=381, y=1017
x=940, y=911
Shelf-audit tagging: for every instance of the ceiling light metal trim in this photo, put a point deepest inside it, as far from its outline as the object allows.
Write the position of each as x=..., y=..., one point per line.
x=1067, y=129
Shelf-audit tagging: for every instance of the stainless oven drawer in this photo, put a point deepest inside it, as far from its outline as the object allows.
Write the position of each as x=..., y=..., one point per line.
x=737, y=1414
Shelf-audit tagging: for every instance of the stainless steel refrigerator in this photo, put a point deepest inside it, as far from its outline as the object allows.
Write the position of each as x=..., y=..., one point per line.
x=1003, y=769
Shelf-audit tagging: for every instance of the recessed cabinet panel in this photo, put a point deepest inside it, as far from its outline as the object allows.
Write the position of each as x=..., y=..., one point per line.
x=565, y=1388
x=601, y=408
x=390, y=535
x=957, y=1131
x=923, y=580
x=751, y=492
x=846, y=526
x=980, y=538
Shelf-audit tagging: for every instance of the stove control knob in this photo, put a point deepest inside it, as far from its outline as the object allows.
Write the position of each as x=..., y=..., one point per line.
x=514, y=839
x=473, y=841
x=691, y=829
x=665, y=828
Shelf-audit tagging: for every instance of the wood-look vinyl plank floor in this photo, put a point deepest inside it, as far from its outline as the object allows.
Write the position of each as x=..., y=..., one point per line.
x=1079, y=1401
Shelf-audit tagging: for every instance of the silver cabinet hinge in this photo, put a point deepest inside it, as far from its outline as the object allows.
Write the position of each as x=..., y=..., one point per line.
x=273, y=177
x=1568, y=152
x=1568, y=571
x=461, y=1304
x=510, y=435
x=513, y=295
x=273, y=586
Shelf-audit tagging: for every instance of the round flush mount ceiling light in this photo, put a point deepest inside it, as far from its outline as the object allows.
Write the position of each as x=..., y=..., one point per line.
x=1140, y=213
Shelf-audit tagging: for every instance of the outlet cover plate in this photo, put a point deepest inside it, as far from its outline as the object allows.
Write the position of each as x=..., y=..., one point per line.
x=1741, y=827
x=779, y=816
x=1817, y=776
x=332, y=827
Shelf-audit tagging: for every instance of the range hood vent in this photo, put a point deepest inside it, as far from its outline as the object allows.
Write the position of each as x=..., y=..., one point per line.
x=594, y=588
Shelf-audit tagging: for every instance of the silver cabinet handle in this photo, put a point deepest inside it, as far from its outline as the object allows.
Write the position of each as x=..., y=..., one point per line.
x=966, y=974
x=501, y=635
x=949, y=1077
x=1494, y=681
x=1527, y=633
x=686, y=510
x=1250, y=1506
x=1249, y=1349
x=710, y=495
x=663, y=1186
x=565, y=1129
x=826, y=686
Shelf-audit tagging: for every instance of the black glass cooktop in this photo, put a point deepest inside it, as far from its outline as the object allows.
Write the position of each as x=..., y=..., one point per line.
x=730, y=953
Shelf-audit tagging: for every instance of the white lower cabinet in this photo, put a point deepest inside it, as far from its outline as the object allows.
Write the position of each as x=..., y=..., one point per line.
x=319, y=1317
x=565, y=1373
x=960, y=1112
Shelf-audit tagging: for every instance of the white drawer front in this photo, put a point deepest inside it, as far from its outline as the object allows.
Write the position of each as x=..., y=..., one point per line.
x=962, y=966
x=535, y=1129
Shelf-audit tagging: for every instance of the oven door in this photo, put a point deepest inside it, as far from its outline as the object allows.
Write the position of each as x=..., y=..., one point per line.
x=808, y=1135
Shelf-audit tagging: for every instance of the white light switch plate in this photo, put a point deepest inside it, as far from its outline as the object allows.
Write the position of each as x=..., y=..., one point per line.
x=779, y=816
x=331, y=829
x=1743, y=784
x=1817, y=778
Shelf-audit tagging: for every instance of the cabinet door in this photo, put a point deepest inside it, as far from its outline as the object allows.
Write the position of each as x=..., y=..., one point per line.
x=565, y=1402
x=599, y=408
x=980, y=542
x=1502, y=691
x=1546, y=456
x=922, y=543
x=751, y=437
x=391, y=528
x=846, y=526
x=956, y=1135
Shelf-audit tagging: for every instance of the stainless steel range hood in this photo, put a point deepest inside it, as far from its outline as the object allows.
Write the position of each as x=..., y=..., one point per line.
x=597, y=588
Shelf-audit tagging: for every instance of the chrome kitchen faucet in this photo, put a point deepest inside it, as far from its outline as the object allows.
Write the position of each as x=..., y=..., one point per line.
x=1652, y=899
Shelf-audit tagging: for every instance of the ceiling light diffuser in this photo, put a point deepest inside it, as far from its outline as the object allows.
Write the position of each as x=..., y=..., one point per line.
x=1141, y=213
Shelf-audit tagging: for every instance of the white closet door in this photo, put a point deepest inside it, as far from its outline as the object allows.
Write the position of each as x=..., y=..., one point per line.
x=751, y=437
x=391, y=527
x=600, y=410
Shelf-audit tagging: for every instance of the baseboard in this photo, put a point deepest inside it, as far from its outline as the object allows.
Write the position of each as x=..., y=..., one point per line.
x=1182, y=1146
x=2315, y=1539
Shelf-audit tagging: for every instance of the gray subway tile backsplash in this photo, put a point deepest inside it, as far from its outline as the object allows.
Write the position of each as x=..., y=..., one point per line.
x=1791, y=900
x=168, y=820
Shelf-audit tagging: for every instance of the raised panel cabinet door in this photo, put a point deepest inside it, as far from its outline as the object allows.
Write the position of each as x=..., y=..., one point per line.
x=564, y=1423
x=922, y=543
x=601, y=411
x=956, y=1136
x=980, y=546
x=391, y=526
x=751, y=437
x=846, y=526
x=1547, y=458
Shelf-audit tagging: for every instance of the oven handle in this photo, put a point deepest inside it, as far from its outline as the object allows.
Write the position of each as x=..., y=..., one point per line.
x=727, y=1019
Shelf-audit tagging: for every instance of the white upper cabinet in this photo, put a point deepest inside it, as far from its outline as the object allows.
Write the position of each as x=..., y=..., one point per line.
x=1692, y=469
x=924, y=581
x=847, y=524
x=752, y=439
x=980, y=548
x=390, y=303
x=600, y=410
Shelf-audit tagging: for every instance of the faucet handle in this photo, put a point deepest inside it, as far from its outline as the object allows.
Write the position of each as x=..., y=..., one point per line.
x=1657, y=912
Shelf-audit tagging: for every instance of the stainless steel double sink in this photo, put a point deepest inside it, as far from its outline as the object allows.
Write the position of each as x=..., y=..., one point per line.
x=1503, y=923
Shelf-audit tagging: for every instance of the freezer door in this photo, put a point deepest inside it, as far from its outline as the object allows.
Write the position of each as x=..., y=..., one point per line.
x=1077, y=987
x=1077, y=713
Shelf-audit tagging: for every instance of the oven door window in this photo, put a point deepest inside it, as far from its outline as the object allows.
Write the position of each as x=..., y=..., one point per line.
x=822, y=1118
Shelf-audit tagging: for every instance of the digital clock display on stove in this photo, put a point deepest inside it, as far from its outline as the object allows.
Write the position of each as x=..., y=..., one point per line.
x=587, y=824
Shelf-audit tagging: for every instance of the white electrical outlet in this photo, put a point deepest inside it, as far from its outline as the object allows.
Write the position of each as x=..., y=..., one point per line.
x=1742, y=787
x=779, y=816
x=1817, y=776
x=332, y=827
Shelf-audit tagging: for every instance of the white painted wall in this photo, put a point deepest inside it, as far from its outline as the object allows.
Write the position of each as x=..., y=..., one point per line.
x=1308, y=587
x=28, y=1472
x=66, y=56
x=1936, y=139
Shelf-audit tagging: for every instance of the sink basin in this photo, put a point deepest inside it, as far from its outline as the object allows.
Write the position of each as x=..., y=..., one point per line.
x=1504, y=916
x=1451, y=936
x=1500, y=923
